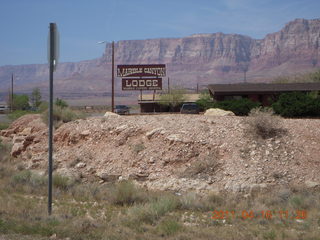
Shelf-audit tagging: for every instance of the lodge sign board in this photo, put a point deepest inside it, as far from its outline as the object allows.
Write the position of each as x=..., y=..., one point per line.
x=142, y=84
x=150, y=70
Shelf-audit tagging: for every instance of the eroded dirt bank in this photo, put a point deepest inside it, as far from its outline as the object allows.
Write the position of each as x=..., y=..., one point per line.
x=176, y=152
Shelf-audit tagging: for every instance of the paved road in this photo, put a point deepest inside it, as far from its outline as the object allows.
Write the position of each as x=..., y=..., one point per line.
x=4, y=118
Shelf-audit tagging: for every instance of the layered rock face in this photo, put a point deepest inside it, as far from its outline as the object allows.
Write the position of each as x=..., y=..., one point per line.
x=200, y=58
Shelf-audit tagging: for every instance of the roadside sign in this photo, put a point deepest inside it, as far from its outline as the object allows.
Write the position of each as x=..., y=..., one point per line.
x=141, y=84
x=150, y=70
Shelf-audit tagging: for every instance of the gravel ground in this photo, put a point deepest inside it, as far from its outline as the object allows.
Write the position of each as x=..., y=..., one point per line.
x=174, y=152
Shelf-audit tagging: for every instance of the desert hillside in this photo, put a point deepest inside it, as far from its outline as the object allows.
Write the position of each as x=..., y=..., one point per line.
x=173, y=152
x=199, y=58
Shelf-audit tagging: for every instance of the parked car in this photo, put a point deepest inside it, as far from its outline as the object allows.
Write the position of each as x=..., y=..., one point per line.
x=190, y=108
x=4, y=109
x=122, y=109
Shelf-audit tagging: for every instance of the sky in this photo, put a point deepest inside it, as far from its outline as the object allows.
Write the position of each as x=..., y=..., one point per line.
x=83, y=23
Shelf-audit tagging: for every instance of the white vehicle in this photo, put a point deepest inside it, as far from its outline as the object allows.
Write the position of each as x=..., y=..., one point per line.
x=3, y=109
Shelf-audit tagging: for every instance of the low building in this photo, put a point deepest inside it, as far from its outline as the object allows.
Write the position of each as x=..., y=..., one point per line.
x=262, y=92
x=151, y=102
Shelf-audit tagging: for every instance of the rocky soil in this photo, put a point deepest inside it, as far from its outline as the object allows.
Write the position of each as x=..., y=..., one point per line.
x=173, y=152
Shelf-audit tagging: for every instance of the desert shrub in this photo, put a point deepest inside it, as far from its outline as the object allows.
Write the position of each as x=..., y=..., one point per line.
x=126, y=193
x=152, y=211
x=138, y=148
x=43, y=106
x=62, y=182
x=20, y=102
x=269, y=235
x=169, y=227
x=62, y=115
x=28, y=178
x=263, y=123
x=4, y=125
x=297, y=104
x=239, y=107
x=174, y=98
x=17, y=114
x=204, y=166
x=22, y=177
x=205, y=101
x=61, y=103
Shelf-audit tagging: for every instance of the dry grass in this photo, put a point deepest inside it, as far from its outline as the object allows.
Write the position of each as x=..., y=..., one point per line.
x=204, y=167
x=263, y=123
x=125, y=211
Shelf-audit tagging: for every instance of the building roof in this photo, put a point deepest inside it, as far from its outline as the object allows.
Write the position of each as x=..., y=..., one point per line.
x=242, y=88
x=147, y=98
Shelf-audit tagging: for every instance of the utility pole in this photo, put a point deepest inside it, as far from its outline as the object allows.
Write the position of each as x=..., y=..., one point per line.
x=53, y=61
x=11, y=93
x=112, y=80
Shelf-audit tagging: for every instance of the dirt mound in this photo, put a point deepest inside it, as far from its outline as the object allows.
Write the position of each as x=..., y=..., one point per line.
x=177, y=152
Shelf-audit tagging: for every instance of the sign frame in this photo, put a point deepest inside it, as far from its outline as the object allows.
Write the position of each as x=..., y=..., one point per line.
x=129, y=84
x=142, y=70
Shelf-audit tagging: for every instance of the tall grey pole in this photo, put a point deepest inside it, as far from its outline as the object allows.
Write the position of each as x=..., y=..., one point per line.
x=112, y=80
x=11, y=93
x=50, y=140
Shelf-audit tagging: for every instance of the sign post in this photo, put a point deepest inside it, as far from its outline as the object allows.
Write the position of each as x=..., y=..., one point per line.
x=53, y=59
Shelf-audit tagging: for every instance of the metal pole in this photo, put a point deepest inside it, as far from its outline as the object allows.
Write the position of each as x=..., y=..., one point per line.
x=12, y=92
x=168, y=85
x=112, y=94
x=52, y=28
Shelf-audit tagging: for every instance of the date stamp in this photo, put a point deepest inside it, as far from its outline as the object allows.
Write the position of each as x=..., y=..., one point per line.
x=266, y=214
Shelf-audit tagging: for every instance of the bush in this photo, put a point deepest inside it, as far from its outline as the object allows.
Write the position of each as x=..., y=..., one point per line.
x=26, y=177
x=62, y=182
x=62, y=115
x=20, y=102
x=205, y=101
x=61, y=103
x=4, y=126
x=297, y=104
x=43, y=106
x=263, y=123
x=138, y=148
x=238, y=106
x=174, y=98
x=169, y=227
x=22, y=177
x=126, y=193
x=17, y=114
x=152, y=211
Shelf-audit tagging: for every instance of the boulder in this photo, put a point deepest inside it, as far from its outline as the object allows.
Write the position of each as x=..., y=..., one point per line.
x=111, y=114
x=312, y=184
x=153, y=132
x=16, y=150
x=108, y=177
x=218, y=112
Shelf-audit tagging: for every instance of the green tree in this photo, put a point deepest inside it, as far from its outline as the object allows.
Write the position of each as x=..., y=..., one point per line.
x=205, y=101
x=20, y=102
x=174, y=98
x=61, y=103
x=238, y=106
x=35, y=98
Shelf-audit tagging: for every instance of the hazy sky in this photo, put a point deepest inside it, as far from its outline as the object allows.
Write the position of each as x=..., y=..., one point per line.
x=82, y=23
